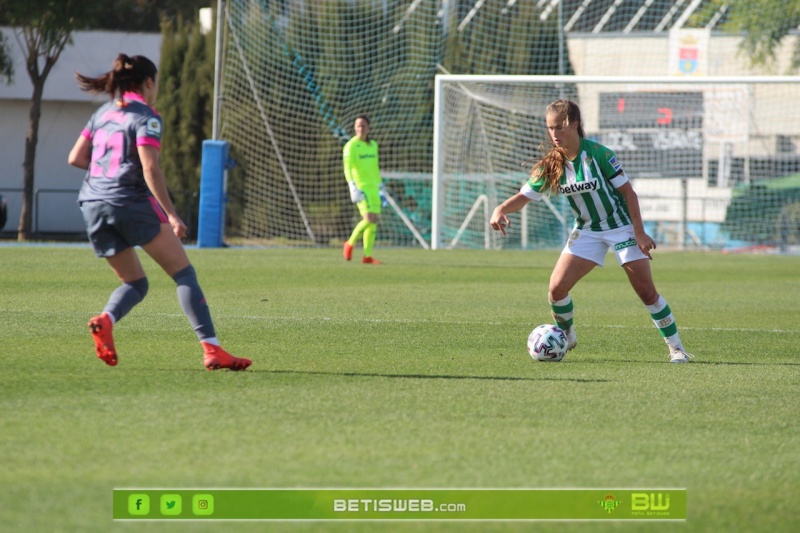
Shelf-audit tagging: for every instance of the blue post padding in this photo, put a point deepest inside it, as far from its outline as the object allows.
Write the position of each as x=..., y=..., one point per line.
x=211, y=220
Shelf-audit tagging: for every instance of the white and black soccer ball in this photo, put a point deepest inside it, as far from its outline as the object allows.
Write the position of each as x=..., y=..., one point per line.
x=547, y=343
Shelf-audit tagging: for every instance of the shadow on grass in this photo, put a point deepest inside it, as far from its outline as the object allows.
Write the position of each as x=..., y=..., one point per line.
x=431, y=376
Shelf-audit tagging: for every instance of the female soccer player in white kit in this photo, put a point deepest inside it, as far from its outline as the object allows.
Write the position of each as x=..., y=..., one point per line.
x=607, y=215
x=125, y=203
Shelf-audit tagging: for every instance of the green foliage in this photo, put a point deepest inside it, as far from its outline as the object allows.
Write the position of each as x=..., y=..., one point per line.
x=764, y=24
x=411, y=374
x=44, y=27
x=301, y=71
x=504, y=40
x=6, y=65
x=185, y=100
x=124, y=15
x=765, y=211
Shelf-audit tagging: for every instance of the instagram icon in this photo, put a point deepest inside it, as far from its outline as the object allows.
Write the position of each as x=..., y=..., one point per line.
x=203, y=504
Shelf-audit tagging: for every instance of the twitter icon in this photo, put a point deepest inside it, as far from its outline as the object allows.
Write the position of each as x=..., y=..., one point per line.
x=170, y=504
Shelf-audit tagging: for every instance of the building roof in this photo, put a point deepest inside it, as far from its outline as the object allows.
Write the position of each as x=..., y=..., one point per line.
x=604, y=16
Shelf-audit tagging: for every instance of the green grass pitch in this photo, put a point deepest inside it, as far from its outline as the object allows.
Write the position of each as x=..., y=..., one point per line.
x=411, y=374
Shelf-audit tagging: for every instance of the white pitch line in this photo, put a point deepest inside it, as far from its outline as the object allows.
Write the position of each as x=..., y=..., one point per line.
x=481, y=322
x=581, y=325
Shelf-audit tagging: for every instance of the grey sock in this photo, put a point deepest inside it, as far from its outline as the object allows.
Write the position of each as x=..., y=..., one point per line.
x=193, y=303
x=125, y=297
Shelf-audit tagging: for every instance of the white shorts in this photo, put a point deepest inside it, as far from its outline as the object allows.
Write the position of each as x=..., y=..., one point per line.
x=593, y=245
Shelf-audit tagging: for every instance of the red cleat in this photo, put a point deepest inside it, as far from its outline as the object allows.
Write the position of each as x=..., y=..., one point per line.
x=347, y=251
x=214, y=358
x=370, y=261
x=100, y=328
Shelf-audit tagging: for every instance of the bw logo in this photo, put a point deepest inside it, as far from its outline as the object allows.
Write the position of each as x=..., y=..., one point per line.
x=642, y=501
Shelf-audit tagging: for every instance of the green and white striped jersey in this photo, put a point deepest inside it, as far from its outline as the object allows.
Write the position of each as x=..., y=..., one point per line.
x=590, y=184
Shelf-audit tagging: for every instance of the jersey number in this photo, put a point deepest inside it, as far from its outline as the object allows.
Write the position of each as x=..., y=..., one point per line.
x=101, y=144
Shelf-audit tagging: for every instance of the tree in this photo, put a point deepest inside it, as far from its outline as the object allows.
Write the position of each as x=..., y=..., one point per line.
x=184, y=100
x=6, y=66
x=126, y=15
x=44, y=29
x=764, y=24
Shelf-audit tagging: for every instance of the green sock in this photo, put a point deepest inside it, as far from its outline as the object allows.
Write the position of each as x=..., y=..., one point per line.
x=370, y=233
x=563, y=312
x=357, y=231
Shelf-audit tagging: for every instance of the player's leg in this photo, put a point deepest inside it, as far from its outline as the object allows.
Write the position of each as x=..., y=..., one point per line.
x=568, y=271
x=112, y=244
x=641, y=279
x=371, y=210
x=358, y=231
x=133, y=289
x=129, y=270
x=166, y=250
x=370, y=234
x=580, y=255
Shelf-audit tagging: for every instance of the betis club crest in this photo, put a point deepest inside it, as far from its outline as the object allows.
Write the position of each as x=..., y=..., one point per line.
x=609, y=503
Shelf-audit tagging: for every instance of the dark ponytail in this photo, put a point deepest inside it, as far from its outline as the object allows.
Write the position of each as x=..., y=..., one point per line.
x=128, y=74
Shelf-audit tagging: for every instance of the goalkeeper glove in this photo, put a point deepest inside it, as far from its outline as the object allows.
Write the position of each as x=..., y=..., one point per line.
x=384, y=194
x=356, y=194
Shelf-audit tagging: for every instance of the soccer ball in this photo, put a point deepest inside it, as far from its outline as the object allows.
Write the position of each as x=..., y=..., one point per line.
x=547, y=343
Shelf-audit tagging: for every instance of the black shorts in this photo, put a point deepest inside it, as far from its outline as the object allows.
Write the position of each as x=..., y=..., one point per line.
x=112, y=229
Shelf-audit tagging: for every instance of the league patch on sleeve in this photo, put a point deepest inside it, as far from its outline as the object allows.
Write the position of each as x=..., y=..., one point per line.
x=153, y=127
x=614, y=163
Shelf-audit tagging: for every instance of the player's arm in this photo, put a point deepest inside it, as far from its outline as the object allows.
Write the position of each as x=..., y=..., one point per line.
x=378, y=166
x=499, y=220
x=356, y=194
x=347, y=164
x=148, y=155
x=81, y=154
x=643, y=240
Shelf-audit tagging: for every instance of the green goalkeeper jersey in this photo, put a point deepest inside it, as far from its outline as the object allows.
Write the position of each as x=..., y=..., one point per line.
x=361, y=163
x=590, y=184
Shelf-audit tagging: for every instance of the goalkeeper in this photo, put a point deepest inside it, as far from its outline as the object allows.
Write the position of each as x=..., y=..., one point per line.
x=362, y=172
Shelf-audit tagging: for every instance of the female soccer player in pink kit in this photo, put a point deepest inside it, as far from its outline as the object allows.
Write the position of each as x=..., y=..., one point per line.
x=125, y=203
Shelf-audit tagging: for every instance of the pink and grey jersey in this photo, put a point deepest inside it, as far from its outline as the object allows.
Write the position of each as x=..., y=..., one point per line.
x=116, y=130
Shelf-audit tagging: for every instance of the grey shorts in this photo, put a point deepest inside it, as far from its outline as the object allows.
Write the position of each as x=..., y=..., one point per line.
x=112, y=229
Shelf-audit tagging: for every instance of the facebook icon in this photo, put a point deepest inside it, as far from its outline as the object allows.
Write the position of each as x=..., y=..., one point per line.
x=138, y=504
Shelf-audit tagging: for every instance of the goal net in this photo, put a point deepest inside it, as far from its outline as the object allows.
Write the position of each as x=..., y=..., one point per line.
x=713, y=160
x=295, y=77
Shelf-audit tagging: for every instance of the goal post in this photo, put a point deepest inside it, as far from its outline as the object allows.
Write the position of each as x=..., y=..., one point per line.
x=714, y=160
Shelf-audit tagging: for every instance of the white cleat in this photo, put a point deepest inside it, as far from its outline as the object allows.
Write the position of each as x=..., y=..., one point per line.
x=572, y=338
x=679, y=356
